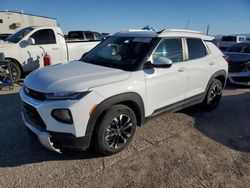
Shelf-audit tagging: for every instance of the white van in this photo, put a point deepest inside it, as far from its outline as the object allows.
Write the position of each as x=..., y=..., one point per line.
x=228, y=41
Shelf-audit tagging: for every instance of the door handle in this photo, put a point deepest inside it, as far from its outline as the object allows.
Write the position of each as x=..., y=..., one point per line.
x=182, y=69
x=55, y=48
x=211, y=63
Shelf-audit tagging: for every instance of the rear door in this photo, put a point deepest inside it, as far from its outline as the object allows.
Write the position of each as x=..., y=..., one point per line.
x=201, y=67
x=45, y=42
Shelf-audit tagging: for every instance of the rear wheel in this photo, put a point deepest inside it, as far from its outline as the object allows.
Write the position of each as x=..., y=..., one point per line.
x=116, y=130
x=213, y=95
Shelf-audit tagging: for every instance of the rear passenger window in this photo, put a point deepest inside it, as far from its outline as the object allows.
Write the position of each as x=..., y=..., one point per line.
x=170, y=48
x=196, y=48
x=44, y=36
x=89, y=36
x=75, y=35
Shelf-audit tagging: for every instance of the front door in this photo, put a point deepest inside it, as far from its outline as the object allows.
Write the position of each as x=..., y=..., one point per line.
x=45, y=42
x=166, y=86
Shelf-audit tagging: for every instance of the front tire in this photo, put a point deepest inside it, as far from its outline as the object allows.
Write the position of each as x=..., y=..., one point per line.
x=213, y=95
x=16, y=71
x=115, y=131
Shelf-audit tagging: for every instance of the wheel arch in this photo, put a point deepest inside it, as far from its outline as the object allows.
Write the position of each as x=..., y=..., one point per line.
x=131, y=99
x=16, y=62
x=219, y=75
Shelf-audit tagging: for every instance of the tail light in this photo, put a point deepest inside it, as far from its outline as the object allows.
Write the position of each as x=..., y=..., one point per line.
x=218, y=44
x=46, y=60
x=226, y=57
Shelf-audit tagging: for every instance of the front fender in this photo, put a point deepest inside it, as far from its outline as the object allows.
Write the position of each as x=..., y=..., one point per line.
x=124, y=98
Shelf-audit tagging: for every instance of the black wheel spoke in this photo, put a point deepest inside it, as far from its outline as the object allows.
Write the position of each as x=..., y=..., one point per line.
x=127, y=134
x=110, y=136
x=127, y=125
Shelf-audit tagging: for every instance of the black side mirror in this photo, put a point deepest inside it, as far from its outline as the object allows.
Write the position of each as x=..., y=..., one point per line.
x=160, y=62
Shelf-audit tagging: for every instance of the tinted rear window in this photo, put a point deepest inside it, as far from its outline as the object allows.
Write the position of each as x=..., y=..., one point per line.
x=196, y=48
x=228, y=38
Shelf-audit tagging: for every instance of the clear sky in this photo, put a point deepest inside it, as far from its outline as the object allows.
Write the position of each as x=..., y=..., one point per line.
x=223, y=16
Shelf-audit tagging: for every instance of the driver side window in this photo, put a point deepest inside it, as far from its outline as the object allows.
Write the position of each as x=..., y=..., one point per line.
x=171, y=49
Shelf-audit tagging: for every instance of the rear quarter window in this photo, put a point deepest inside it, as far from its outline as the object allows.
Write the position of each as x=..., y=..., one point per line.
x=196, y=48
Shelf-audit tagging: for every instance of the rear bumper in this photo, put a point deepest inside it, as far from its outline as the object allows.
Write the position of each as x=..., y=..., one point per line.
x=57, y=141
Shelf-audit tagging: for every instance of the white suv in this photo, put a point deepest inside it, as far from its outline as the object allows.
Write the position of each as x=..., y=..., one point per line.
x=128, y=78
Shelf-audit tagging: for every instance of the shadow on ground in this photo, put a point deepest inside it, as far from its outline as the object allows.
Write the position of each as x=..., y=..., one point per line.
x=229, y=124
x=17, y=148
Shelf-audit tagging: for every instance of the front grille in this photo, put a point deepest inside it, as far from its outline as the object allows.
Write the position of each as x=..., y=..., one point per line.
x=32, y=116
x=34, y=94
x=241, y=79
x=236, y=67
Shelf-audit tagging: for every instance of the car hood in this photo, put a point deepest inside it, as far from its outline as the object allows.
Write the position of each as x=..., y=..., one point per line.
x=237, y=57
x=4, y=44
x=74, y=76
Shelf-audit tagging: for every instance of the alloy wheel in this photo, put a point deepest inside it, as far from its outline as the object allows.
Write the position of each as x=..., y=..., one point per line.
x=215, y=94
x=118, y=131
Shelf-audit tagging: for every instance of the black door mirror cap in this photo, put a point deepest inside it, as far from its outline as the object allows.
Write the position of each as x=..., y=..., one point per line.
x=150, y=65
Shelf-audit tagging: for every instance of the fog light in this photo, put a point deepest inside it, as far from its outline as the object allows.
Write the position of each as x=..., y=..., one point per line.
x=62, y=115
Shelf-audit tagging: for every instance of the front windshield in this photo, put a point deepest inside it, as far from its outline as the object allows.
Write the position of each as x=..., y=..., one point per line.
x=119, y=52
x=16, y=37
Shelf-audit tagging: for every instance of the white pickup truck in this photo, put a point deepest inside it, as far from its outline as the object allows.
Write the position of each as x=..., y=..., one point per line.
x=27, y=47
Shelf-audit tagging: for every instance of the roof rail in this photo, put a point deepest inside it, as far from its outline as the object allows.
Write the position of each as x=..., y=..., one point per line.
x=184, y=33
x=180, y=30
x=131, y=30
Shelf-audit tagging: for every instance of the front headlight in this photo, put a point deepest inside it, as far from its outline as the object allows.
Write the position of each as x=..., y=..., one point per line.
x=66, y=95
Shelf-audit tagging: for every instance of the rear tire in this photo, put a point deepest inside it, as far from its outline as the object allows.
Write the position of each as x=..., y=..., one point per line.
x=115, y=131
x=213, y=95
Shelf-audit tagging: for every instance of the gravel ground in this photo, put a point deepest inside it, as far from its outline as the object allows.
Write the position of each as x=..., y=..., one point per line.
x=189, y=148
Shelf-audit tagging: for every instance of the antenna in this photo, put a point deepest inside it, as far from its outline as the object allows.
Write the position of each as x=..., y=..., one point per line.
x=188, y=21
x=208, y=29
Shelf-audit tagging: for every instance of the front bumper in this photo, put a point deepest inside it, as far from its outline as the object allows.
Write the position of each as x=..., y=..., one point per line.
x=53, y=134
x=42, y=136
x=56, y=141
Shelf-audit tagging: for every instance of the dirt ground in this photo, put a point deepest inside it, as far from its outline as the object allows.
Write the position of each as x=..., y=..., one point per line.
x=189, y=148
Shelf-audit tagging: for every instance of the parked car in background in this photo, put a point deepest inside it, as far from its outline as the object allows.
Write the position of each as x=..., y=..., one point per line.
x=85, y=35
x=3, y=36
x=106, y=35
x=128, y=78
x=227, y=41
x=27, y=48
x=239, y=63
